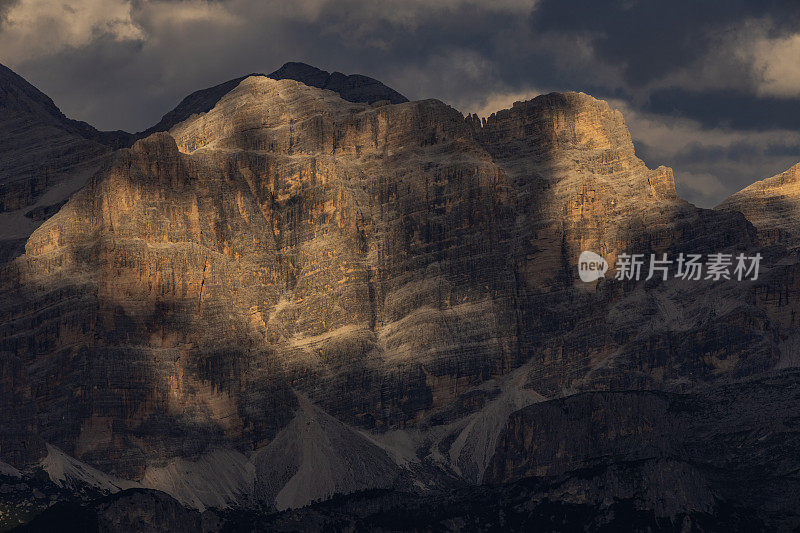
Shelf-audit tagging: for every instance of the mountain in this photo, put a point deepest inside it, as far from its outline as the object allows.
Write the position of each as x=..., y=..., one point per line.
x=289, y=295
x=198, y=102
x=45, y=158
x=772, y=205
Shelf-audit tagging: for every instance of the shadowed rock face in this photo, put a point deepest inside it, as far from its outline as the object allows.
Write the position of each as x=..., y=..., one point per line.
x=40, y=146
x=354, y=87
x=728, y=443
x=44, y=158
x=391, y=279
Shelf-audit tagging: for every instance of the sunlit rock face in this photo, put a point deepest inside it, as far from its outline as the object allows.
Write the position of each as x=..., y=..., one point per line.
x=353, y=88
x=336, y=248
x=579, y=186
x=290, y=264
x=772, y=205
x=579, y=179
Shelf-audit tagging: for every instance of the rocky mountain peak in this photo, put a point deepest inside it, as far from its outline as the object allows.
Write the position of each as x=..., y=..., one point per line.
x=585, y=152
x=571, y=120
x=772, y=205
x=197, y=102
x=19, y=95
x=791, y=175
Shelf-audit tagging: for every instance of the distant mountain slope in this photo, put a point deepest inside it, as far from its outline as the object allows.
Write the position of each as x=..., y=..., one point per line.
x=19, y=96
x=772, y=205
x=44, y=157
x=40, y=146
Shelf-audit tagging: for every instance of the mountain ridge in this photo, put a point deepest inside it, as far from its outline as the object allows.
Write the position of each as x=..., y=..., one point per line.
x=39, y=172
x=353, y=88
x=397, y=279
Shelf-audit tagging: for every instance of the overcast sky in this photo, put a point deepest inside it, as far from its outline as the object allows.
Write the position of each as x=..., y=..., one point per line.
x=711, y=88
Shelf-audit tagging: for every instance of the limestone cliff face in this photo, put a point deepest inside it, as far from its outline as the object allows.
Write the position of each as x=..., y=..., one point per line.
x=289, y=263
x=46, y=156
x=295, y=239
x=579, y=179
x=578, y=185
x=772, y=205
x=668, y=452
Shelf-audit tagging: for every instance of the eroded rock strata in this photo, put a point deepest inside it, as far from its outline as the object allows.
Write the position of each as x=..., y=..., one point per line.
x=772, y=205
x=290, y=295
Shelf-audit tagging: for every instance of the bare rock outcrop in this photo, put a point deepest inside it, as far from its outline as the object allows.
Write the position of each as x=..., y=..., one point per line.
x=393, y=279
x=354, y=88
x=772, y=205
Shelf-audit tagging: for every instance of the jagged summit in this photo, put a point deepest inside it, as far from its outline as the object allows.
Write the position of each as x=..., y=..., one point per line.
x=772, y=205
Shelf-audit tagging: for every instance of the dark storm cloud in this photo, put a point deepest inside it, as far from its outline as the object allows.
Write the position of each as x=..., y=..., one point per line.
x=654, y=38
x=5, y=5
x=737, y=152
x=727, y=108
x=682, y=72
